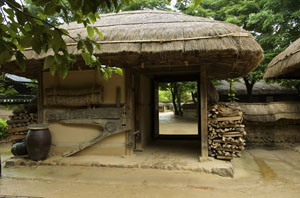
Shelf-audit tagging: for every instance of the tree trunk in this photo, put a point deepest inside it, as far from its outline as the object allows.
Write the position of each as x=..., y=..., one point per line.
x=249, y=86
x=194, y=97
x=172, y=89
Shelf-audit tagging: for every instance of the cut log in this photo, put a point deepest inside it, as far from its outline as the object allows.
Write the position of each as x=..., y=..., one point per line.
x=18, y=129
x=17, y=121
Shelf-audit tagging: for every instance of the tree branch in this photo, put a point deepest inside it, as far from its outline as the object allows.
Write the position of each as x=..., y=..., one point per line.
x=37, y=18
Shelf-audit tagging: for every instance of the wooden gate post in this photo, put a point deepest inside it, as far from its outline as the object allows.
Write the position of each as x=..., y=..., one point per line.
x=40, y=98
x=203, y=112
x=129, y=103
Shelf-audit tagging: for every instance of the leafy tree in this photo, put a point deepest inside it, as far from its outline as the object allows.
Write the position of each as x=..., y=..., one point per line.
x=31, y=24
x=3, y=127
x=147, y=4
x=4, y=89
x=273, y=23
x=180, y=92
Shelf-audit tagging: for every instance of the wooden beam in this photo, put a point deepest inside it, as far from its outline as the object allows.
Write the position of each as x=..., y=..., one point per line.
x=203, y=112
x=40, y=97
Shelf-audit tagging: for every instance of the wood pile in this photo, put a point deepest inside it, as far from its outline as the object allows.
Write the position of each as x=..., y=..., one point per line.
x=18, y=122
x=226, y=133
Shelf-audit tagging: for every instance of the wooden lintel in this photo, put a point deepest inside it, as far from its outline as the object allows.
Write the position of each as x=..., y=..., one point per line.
x=203, y=112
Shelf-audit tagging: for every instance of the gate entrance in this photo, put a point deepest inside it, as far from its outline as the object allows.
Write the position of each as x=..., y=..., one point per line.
x=176, y=112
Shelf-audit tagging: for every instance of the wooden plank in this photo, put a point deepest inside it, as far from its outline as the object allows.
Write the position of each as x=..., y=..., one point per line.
x=203, y=112
x=82, y=146
x=94, y=113
x=18, y=129
x=40, y=98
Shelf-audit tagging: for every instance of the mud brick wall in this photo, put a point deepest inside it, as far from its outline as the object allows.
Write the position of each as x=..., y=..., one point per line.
x=281, y=131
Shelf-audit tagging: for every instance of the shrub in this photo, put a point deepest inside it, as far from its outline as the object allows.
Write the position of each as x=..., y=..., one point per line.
x=3, y=127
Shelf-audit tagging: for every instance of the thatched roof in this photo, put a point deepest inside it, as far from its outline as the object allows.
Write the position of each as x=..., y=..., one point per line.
x=164, y=42
x=259, y=88
x=270, y=112
x=286, y=64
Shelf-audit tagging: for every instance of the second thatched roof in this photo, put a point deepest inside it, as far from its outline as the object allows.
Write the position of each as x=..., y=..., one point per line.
x=163, y=42
x=286, y=64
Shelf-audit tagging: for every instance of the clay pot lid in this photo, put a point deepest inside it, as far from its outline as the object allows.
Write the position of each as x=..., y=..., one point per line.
x=37, y=126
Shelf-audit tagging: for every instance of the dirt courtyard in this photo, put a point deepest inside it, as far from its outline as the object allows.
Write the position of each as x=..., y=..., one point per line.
x=261, y=172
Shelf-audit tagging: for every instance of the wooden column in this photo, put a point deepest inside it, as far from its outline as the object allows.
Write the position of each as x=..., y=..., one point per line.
x=40, y=98
x=203, y=112
x=129, y=103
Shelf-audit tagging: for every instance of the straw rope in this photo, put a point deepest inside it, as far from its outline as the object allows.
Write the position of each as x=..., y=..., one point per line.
x=236, y=34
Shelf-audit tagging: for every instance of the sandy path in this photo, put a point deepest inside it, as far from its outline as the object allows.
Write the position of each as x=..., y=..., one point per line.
x=259, y=173
x=169, y=124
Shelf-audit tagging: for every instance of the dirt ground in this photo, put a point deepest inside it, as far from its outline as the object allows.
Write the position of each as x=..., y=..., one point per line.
x=261, y=172
x=170, y=124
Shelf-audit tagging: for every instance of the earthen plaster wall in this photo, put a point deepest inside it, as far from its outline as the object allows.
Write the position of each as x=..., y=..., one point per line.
x=66, y=136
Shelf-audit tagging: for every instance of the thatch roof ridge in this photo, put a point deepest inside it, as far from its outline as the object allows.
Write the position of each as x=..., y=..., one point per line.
x=286, y=64
x=109, y=15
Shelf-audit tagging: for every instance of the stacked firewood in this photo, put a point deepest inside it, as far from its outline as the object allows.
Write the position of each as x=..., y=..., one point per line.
x=18, y=122
x=225, y=131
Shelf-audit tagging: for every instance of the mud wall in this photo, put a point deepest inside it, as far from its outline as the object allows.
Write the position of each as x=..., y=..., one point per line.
x=272, y=123
x=281, y=131
x=66, y=136
x=145, y=110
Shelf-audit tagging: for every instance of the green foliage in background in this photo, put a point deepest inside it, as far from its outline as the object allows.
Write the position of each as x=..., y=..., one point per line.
x=275, y=24
x=147, y=4
x=3, y=127
x=9, y=90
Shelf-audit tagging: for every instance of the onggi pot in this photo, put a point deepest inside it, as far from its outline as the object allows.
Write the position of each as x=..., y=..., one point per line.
x=38, y=141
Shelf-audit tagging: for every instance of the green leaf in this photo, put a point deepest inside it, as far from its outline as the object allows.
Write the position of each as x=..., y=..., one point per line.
x=5, y=56
x=90, y=31
x=89, y=46
x=63, y=71
x=58, y=59
x=64, y=31
x=50, y=8
x=197, y=3
x=92, y=17
x=20, y=59
x=48, y=62
x=80, y=44
x=53, y=69
x=86, y=57
x=99, y=33
x=118, y=71
x=36, y=45
x=26, y=41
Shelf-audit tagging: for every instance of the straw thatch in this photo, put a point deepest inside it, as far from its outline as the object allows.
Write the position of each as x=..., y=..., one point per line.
x=160, y=41
x=259, y=88
x=270, y=112
x=286, y=64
